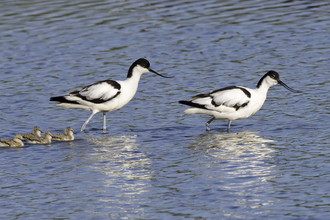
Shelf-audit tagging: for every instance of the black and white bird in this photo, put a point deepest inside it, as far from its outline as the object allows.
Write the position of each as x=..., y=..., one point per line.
x=107, y=95
x=233, y=102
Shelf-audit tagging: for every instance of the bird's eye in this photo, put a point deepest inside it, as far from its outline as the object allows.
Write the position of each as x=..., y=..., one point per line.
x=144, y=65
x=272, y=76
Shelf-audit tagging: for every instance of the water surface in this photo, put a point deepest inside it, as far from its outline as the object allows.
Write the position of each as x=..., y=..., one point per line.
x=155, y=162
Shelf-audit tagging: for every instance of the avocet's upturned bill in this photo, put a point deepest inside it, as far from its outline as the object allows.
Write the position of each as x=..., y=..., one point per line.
x=233, y=102
x=107, y=95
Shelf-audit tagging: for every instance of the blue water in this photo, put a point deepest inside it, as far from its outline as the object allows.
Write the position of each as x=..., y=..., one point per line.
x=154, y=162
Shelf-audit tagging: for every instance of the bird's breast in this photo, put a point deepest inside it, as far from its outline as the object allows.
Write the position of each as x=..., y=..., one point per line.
x=127, y=92
x=254, y=105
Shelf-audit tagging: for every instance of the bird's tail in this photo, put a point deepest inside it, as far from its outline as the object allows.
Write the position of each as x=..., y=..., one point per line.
x=192, y=104
x=58, y=99
x=62, y=99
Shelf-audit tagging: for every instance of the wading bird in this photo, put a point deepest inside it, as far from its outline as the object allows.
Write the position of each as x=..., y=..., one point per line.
x=107, y=95
x=233, y=102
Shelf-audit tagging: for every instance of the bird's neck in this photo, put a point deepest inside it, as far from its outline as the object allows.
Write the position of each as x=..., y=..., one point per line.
x=263, y=87
x=134, y=79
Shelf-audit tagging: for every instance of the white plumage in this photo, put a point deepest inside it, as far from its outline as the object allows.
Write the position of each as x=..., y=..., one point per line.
x=108, y=95
x=233, y=102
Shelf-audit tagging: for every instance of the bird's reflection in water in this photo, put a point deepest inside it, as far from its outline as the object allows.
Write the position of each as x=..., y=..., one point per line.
x=236, y=155
x=124, y=167
x=238, y=166
x=235, y=143
x=126, y=141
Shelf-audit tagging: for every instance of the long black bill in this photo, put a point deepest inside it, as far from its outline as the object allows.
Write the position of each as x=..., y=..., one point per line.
x=160, y=74
x=287, y=87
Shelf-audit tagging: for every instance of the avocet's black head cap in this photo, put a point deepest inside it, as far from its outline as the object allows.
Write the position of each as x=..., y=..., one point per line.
x=274, y=75
x=142, y=62
x=145, y=64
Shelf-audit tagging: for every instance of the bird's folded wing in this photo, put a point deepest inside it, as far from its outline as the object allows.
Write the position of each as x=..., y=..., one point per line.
x=6, y=141
x=57, y=135
x=229, y=99
x=99, y=92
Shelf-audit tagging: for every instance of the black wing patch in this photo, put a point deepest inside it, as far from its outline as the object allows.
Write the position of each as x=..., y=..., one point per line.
x=240, y=106
x=246, y=92
x=62, y=99
x=98, y=101
x=114, y=84
x=192, y=104
x=236, y=107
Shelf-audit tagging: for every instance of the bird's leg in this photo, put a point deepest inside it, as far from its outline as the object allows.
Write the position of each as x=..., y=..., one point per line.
x=86, y=122
x=208, y=123
x=104, y=122
x=228, y=127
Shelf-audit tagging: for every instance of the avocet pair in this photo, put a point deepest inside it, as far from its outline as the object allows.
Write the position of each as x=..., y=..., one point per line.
x=233, y=102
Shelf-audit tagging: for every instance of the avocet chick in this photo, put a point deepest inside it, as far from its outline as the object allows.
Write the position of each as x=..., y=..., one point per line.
x=36, y=133
x=67, y=136
x=16, y=142
x=45, y=139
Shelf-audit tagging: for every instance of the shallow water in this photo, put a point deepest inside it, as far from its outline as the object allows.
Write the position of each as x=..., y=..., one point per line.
x=155, y=162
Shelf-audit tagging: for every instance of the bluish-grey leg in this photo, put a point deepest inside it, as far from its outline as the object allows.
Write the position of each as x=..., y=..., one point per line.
x=228, y=127
x=208, y=123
